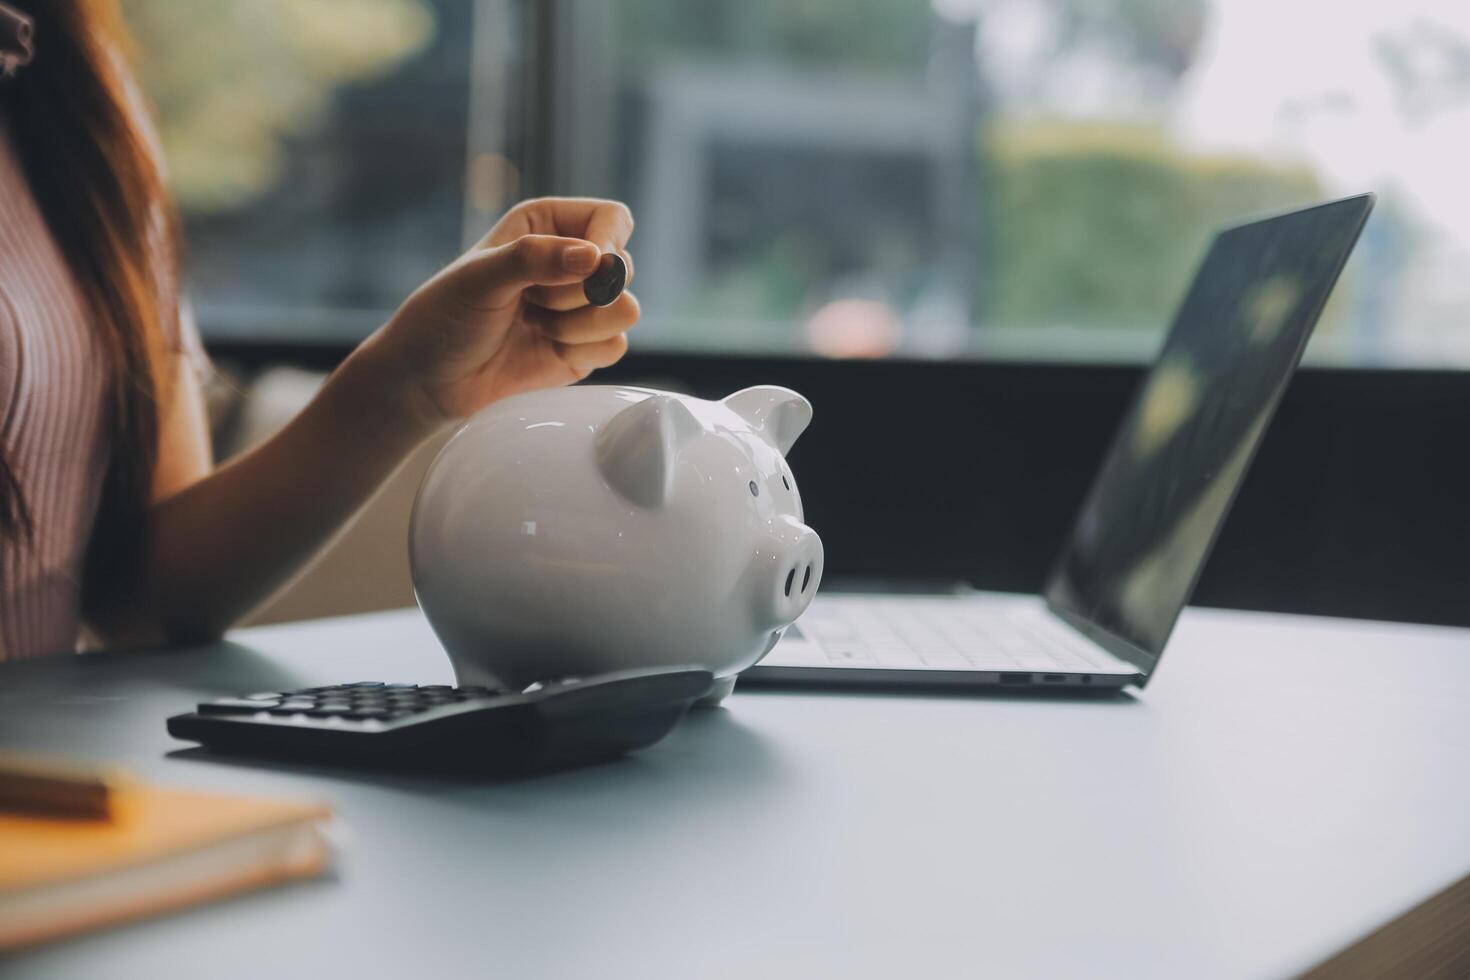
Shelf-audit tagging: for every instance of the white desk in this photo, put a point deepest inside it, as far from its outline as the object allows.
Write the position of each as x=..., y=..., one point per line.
x=1285, y=786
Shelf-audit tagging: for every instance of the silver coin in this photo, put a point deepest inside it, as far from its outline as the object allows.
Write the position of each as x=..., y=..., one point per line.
x=604, y=286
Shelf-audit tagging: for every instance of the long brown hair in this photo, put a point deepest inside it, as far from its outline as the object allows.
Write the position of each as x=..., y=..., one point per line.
x=98, y=184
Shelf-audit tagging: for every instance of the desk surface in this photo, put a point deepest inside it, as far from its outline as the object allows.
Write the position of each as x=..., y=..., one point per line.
x=1283, y=787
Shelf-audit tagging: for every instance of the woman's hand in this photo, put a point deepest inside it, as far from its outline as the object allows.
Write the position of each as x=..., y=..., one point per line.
x=509, y=315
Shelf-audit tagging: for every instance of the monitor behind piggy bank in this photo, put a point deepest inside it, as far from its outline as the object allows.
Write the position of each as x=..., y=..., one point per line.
x=581, y=530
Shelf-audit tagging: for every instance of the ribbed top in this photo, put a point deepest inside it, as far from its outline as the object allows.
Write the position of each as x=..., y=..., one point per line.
x=53, y=423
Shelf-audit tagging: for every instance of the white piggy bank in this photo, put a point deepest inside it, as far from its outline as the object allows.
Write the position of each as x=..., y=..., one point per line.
x=582, y=530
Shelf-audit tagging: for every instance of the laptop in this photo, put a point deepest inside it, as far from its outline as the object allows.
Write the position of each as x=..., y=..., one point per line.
x=1154, y=510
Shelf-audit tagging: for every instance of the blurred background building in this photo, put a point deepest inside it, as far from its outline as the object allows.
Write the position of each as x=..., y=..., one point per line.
x=931, y=178
x=1022, y=182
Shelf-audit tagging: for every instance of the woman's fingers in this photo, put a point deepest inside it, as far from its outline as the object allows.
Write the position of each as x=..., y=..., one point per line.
x=609, y=224
x=583, y=359
x=590, y=324
x=569, y=297
x=498, y=276
x=560, y=298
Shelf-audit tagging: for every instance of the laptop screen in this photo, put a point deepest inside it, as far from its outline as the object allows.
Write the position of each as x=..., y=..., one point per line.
x=1162, y=493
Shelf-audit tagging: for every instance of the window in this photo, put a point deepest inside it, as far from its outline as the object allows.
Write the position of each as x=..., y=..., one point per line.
x=1027, y=179
x=317, y=151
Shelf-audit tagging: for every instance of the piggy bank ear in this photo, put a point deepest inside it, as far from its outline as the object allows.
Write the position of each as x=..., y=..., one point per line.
x=778, y=414
x=637, y=448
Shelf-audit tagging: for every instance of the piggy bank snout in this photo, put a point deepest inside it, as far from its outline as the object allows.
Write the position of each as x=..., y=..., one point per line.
x=797, y=553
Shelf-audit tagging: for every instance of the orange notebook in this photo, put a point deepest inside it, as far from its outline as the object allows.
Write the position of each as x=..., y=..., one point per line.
x=162, y=849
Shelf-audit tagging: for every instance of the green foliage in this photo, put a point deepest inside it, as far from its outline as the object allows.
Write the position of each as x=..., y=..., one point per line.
x=1100, y=224
x=232, y=80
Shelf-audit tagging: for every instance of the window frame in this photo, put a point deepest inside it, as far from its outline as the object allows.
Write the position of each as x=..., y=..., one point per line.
x=1355, y=506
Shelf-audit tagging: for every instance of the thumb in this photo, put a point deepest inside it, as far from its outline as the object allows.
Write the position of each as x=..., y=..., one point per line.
x=496, y=276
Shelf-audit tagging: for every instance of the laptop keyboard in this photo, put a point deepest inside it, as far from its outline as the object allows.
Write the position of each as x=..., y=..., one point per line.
x=910, y=632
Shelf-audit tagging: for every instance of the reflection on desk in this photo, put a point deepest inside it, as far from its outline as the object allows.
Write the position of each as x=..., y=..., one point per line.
x=1284, y=787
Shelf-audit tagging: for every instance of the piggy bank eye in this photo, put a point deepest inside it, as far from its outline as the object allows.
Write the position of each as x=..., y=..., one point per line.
x=755, y=491
x=785, y=482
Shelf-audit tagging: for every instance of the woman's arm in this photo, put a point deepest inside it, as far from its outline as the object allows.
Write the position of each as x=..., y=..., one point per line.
x=508, y=316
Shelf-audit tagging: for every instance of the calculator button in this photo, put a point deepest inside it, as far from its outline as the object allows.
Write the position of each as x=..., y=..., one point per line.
x=232, y=706
x=364, y=684
x=400, y=687
x=292, y=710
x=328, y=710
x=296, y=704
x=264, y=696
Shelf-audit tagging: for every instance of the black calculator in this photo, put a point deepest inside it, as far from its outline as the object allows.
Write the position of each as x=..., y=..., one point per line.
x=550, y=725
